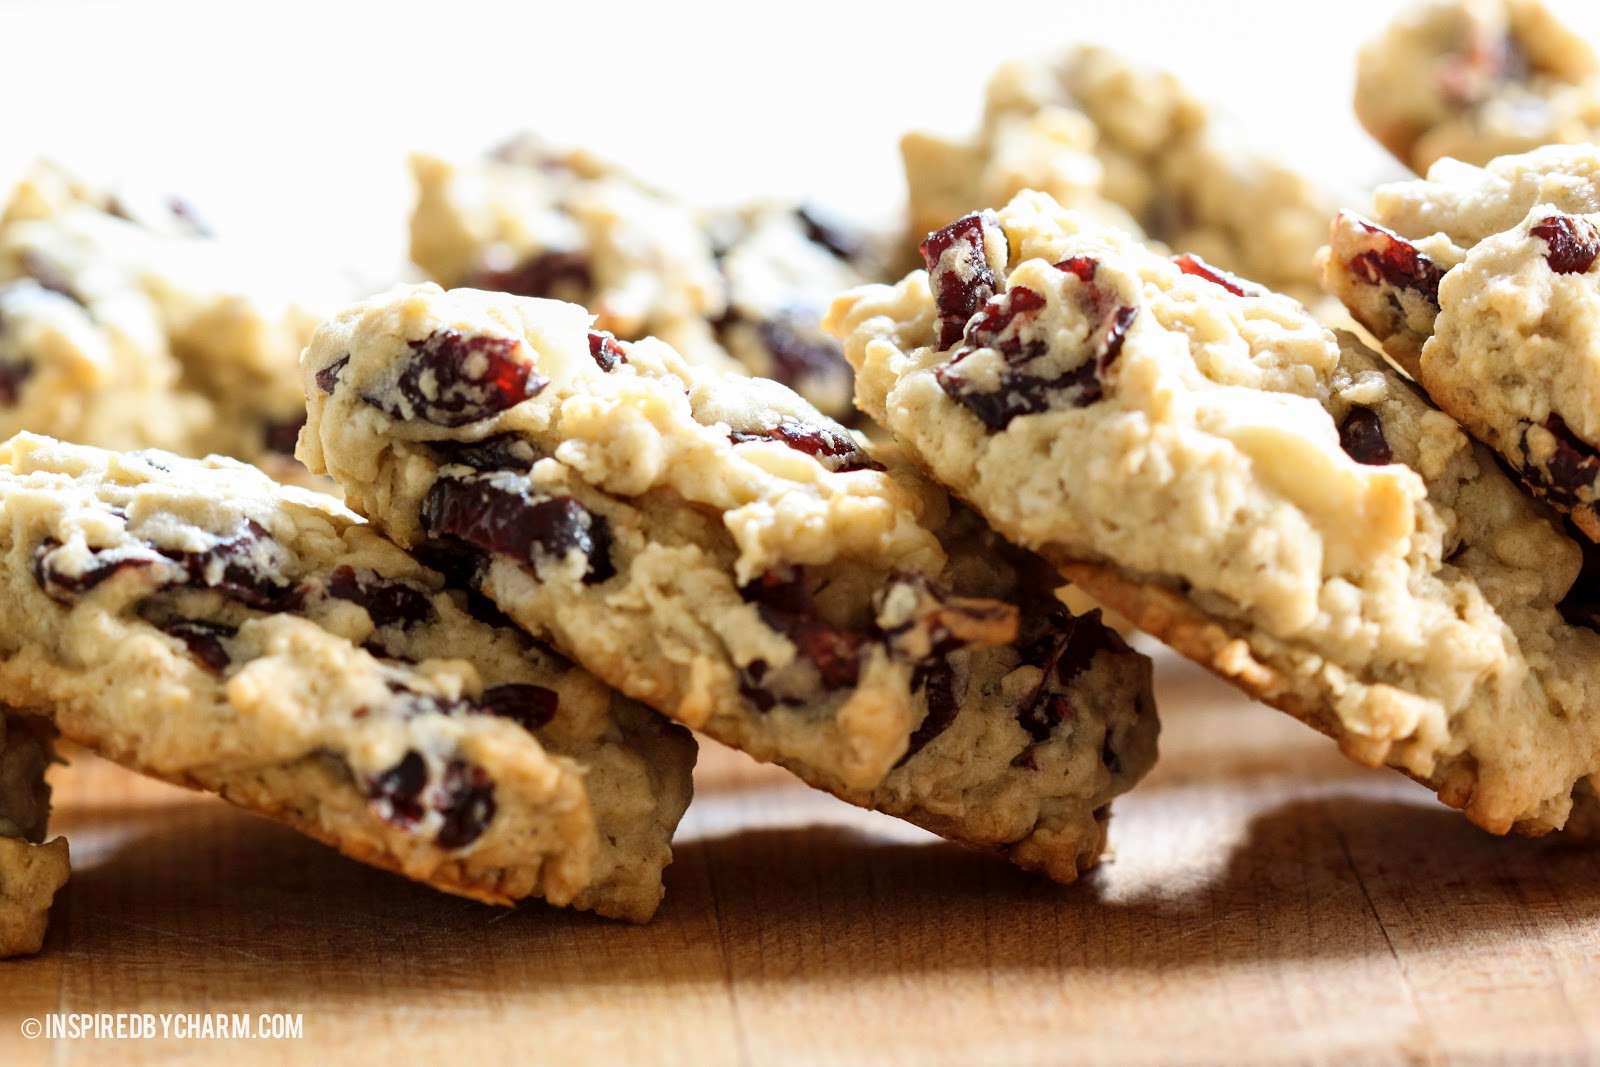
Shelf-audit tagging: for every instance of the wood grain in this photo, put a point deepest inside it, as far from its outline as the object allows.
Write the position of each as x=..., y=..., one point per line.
x=1270, y=903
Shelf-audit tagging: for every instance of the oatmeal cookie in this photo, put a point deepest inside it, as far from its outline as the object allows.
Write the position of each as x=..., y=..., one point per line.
x=715, y=547
x=31, y=871
x=199, y=623
x=1479, y=282
x=1476, y=79
x=1269, y=498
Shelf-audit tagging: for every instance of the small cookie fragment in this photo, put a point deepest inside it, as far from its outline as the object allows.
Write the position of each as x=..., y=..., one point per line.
x=32, y=871
x=199, y=623
x=1476, y=79
x=717, y=548
x=1267, y=497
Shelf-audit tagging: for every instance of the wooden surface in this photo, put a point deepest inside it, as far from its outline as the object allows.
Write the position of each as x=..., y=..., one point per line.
x=1269, y=903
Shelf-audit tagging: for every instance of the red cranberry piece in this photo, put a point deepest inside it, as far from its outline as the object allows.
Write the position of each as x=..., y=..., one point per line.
x=466, y=804
x=12, y=378
x=233, y=566
x=388, y=601
x=502, y=452
x=1397, y=262
x=786, y=606
x=527, y=526
x=834, y=449
x=204, y=641
x=1190, y=263
x=396, y=794
x=937, y=681
x=328, y=376
x=1361, y=436
x=67, y=588
x=1575, y=464
x=531, y=706
x=543, y=274
x=801, y=357
x=282, y=437
x=1573, y=243
x=959, y=271
x=453, y=379
x=837, y=237
x=1064, y=651
x=605, y=351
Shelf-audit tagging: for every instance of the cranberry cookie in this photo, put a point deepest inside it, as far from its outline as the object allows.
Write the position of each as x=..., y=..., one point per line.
x=1132, y=147
x=717, y=548
x=1476, y=79
x=178, y=341
x=30, y=872
x=729, y=289
x=1202, y=455
x=1480, y=282
x=197, y=622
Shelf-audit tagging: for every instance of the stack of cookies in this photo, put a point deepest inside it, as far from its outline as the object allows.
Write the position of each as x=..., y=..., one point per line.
x=627, y=469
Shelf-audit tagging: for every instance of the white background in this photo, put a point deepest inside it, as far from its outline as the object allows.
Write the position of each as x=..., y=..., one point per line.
x=293, y=119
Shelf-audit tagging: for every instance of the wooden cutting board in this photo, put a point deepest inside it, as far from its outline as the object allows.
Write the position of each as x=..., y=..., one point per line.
x=1269, y=903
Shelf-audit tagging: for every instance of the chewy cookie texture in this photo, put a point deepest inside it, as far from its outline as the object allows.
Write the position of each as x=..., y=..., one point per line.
x=126, y=324
x=1481, y=283
x=1132, y=147
x=731, y=289
x=1476, y=79
x=199, y=623
x=714, y=546
x=1266, y=496
x=31, y=870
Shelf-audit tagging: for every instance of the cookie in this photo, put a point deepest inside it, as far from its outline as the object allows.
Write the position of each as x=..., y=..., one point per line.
x=1132, y=147
x=715, y=547
x=197, y=622
x=730, y=289
x=204, y=335
x=1476, y=79
x=1271, y=499
x=31, y=872
x=1479, y=282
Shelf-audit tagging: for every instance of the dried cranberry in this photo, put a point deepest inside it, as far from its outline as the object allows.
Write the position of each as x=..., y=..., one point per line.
x=831, y=234
x=233, y=566
x=750, y=679
x=453, y=379
x=959, y=270
x=67, y=588
x=936, y=679
x=1573, y=243
x=543, y=274
x=1064, y=651
x=1361, y=436
x=834, y=449
x=1397, y=262
x=1573, y=466
x=605, y=351
x=396, y=793
x=282, y=437
x=1190, y=263
x=466, y=803
x=388, y=601
x=528, y=526
x=531, y=706
x=785, y=605
x=328, y=376
x=502, y=452
x=800, y=354
x=12, y=378
x=204, y=640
